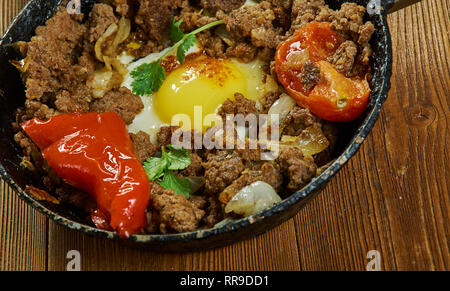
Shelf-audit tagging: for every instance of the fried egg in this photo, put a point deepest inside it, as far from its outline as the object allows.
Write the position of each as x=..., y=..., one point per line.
x=197, y=89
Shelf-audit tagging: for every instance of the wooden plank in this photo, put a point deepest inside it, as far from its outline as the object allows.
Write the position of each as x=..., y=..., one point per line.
x=273, y=250
x=393, y=196
x=23, y=231
x=23, y=234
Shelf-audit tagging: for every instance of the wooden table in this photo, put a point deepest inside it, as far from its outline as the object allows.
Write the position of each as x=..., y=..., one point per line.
x=393, y=196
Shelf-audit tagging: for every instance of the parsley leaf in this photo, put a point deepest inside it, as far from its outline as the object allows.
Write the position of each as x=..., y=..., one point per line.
x=178, y=158
x=161, y=169
x=155, y=167
x=148, y=78
x=178, y=185
x=175, y=32
x=185, y=46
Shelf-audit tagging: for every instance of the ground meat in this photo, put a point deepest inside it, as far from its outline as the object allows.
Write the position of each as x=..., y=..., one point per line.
x=266, y=55
x=242, y=21
x=285, y=4
x=212, y=44
x=199, y=201
x=143, y=147
x=254, y=22
x=36, y=109
x=344, y=57
x=250, y=154
x=195, y=168
x=243, y=51
x=172, y=213
x=101, y=17
x=266, y=173
x=75, y=100
x=225, y=5
x=305, y=11
x=193, y=19
x=214, y=212
x=29, y=148
x=348, y=21
x=310, y=75
x=268, y=99
x=240, y=105
x=154, y=16
x=86, y=65
x=282, y=13
x=164, y=134
x=121, y=101
x=266, y=37
x=221, y=169
x=298, y=119
x=50, y=56
x=365, y=33
x=297, y=168
x=349, y=18
x=125, y=8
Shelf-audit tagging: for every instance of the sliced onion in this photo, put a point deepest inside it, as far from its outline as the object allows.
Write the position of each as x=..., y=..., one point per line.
x=270, y=84
x=282, y=106
x=108, y=65
x=123, y=31
x=98, y=45
x=311, y=141
x=119, y=67
x=99, y=82
x=102, y=81
x=253, y=199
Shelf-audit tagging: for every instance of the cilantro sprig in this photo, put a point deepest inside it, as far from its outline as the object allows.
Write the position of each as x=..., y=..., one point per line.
x=161, y=169
x=148, y=78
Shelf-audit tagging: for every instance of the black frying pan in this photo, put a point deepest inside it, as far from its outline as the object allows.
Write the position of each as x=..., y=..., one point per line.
x=12, y=96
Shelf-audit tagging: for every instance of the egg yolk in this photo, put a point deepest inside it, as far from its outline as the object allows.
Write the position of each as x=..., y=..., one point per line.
x=200, y=85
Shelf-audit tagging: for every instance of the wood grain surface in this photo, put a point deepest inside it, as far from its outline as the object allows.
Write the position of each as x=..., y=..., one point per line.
x=393, y=195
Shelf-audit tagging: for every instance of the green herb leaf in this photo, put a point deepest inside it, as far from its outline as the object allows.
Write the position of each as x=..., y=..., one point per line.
x=175, y=32
x=178, y=158
x=185, y=46
x=155, y=167
x=178, y=185
x=148, y=78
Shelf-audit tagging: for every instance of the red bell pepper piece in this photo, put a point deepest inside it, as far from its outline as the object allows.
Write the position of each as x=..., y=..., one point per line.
x=94, y=152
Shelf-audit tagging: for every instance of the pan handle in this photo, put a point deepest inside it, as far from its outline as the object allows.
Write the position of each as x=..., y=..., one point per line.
x=394, y=5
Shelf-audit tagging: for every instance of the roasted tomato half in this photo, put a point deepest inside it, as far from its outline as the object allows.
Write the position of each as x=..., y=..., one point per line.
x=301, y=67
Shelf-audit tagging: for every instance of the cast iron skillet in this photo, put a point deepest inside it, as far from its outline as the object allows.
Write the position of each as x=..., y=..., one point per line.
x=12, y=96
